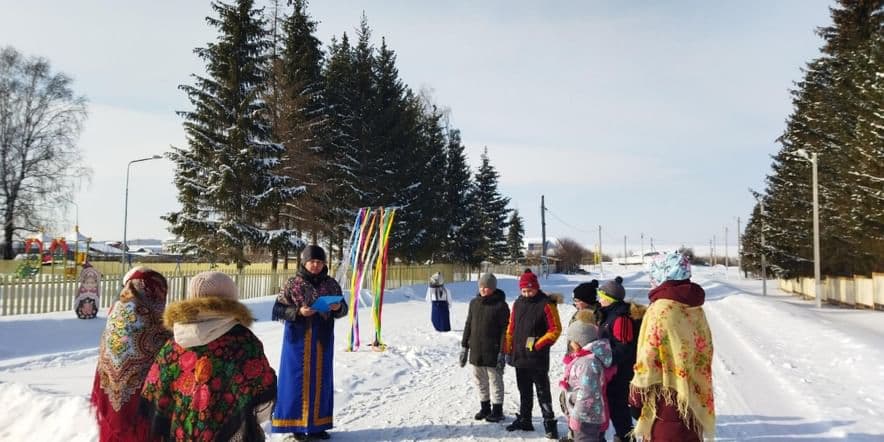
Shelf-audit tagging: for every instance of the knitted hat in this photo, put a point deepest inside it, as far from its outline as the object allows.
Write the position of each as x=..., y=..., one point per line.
x=437, y=279
x=528, y=280
x=614, y=289
x=212, y=284
x=582, y=330
x=312, y=252
x=488, y=280
x=672, y=266
x=586, y=292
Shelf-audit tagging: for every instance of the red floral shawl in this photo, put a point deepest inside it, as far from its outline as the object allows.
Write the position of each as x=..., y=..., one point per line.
x=131, y=339
x=212, y=391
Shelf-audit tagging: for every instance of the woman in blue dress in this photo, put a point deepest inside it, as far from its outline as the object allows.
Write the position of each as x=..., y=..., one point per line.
x=305, y=398
x=440, y=302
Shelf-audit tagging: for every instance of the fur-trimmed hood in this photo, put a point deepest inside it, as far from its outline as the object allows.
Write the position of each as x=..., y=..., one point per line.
x=191, y=310
x=555, y=298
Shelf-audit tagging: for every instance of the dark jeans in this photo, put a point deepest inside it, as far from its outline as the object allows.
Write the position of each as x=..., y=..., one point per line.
x=527, y=379
x=618, y=404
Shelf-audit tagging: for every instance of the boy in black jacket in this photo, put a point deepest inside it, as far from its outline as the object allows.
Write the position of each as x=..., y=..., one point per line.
x=483, y=337
x=533, y=328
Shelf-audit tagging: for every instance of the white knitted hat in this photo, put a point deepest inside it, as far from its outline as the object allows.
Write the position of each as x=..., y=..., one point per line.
x=212, y=284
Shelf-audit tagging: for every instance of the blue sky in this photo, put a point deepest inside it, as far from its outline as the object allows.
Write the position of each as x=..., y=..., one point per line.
x=647, y=117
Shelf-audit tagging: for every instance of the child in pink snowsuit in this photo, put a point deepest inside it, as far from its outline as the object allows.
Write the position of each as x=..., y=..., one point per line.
x=587, y=370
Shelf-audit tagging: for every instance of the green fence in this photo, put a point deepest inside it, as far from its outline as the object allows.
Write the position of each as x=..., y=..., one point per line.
x=46, y=292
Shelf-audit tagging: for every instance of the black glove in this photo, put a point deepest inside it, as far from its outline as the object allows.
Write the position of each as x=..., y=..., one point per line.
x=286, y=312
x=501, y=362
x=509, y=360
x=463, y=356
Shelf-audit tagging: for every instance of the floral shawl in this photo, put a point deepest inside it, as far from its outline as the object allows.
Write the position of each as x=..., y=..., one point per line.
x=211, y=392
x=674, y=363
x=133, y=335
x=131, y=339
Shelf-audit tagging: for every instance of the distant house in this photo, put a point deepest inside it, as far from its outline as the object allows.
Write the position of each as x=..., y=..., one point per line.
x=534, y=246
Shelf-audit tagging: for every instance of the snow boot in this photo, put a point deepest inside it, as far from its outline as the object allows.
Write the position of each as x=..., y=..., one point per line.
x=496, y=413
x=521, y=423
x=551, y=427
x=484, y=412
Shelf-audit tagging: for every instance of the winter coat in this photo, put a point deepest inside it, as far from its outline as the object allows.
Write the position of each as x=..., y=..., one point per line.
x=618, y=326
x=485, y=328
x=533, y=328
x=222, y=388
x=584, y=383
x=132, y=337
x=669, y=425
x=438, y=293
x=302, y=290
x=306, y=397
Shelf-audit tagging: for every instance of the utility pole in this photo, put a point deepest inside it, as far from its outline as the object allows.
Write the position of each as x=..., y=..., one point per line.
x=763, y=263
x=542, y=233
x=739, y=247
x=642, y=250
x=652, y=245
x=601, y=261
x=818, y=287
x=714, y=243
x=726, y=262
x=711, y=255
x=624, y=249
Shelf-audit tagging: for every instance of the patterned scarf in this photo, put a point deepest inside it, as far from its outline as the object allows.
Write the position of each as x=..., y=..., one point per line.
x=674, y=363
x=132, y=337
x=210, y=392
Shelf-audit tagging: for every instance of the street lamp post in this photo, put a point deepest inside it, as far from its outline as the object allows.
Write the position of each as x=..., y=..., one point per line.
x=763, y=263
x=816, y=225
x=126, y=210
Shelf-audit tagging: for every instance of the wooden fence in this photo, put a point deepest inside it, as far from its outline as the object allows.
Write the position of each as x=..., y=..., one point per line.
x=858, y=291
x=45, y=292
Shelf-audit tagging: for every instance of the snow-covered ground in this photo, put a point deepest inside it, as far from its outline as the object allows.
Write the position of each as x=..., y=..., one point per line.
x=783, y=369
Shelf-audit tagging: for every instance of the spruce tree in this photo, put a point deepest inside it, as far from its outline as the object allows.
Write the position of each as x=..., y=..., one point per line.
x=425, y=220
x=461, y=239
x=225, y=176
x=491, y=213
x=836, y=115
x=342, y=173
x=296, y=105
x=363, y=107
x=515, y=238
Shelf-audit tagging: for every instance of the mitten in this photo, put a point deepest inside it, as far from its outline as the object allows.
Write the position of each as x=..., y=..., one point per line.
x=463, y=356
x=501, y=362
x=509, y=360
x=573, y=423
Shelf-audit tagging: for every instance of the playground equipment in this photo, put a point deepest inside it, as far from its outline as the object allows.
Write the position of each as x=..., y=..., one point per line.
x=42, y=249
x=35, y=245
x=81, y=251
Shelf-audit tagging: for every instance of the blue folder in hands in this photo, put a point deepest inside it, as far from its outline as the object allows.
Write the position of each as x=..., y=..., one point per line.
x=322, y=304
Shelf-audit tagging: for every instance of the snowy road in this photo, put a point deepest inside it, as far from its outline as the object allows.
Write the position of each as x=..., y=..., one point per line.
x=783, y=370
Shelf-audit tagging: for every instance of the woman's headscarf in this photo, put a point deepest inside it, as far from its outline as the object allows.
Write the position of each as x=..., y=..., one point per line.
x=132, y=337
x=671, y=266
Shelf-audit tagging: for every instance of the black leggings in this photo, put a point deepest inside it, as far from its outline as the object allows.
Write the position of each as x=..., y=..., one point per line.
x=527, y=379
x=618, y=404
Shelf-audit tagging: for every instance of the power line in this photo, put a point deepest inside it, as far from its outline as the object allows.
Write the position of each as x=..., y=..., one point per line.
x=559, y=219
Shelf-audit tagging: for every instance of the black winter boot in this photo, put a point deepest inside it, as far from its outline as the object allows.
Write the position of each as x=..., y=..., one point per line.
x=496, y=413
x=551, y=427
x=521, y=423
x=485, y=411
